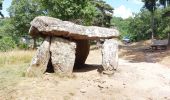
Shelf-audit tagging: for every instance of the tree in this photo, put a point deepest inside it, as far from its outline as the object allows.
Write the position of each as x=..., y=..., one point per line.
x=1, y=9
x=139, y=26
x=122, y=25
x=151, y=6
x=166, y=17
x=78, y=11
x=105, y=12
x=22, y=12
x=165, y=3
x=6, y=40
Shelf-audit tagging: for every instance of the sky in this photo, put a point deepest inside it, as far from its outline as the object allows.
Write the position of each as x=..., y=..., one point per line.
x=6, y=5
x=125, y=8
x=122, y=8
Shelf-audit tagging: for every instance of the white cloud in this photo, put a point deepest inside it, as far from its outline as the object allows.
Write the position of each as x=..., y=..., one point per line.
x=123, y=12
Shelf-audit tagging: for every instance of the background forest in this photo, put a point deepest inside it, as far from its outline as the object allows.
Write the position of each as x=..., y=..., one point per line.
x=153, y=20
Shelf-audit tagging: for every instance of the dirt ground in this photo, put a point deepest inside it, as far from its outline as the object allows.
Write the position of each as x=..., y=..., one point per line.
x=141, y=75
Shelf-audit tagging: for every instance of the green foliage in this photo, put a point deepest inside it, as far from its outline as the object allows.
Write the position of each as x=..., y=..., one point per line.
x=104, y=15
x=87, y=12
x=122, y=25
x=78, y=11
x=7, y=43
x=22, y=12
x=151, y=19
x=6, y=28
x=23, y=46
x=150, y=5
x=138, y=28
x=1, y=1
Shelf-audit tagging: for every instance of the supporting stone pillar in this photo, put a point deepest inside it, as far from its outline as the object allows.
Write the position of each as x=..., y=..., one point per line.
x=39, y=62
x=110, y=56
x=82, y=52
x=62, y=55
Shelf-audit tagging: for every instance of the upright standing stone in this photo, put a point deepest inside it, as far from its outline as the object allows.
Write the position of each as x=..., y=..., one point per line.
x=62, y=55
x=110, y=56
x=82, y=51
x=39, y=62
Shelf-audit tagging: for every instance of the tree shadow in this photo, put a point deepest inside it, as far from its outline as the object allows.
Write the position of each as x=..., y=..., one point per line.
x=88, y=67
x=142, y=53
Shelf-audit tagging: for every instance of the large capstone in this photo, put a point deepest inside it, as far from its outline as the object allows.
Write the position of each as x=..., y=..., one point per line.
x=39, y=62
x=82, y=51
x=43, y=26
x=62, y=55
x=110, y=56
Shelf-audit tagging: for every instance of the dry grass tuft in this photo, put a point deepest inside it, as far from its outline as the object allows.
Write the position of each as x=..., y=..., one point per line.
x=16, y=57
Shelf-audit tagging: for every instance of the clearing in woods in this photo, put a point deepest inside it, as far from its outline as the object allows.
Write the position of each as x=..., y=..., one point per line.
x=141, y=75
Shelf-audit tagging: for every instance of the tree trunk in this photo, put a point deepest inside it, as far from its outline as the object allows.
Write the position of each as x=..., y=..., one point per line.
x=169, y=39
x=152, y=24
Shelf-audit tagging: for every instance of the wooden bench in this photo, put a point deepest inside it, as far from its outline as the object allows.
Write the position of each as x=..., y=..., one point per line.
x=159, y=44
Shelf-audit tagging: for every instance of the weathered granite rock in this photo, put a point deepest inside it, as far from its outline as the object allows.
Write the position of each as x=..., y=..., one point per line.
x=62, y=55
x=110, y=56
x=82, y=51
x=43, y=25
x=39, y=62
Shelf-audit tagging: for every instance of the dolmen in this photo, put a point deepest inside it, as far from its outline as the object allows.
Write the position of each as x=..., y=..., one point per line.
x=66, y=46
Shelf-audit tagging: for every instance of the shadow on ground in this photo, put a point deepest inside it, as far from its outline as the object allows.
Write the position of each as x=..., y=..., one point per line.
x=141, y=52
x=89, y=67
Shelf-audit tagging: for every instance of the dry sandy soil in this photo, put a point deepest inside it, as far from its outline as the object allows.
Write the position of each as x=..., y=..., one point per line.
x=141, y=75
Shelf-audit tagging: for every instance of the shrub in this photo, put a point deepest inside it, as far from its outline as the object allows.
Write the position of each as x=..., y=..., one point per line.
x=7, y=43
x=23, y=46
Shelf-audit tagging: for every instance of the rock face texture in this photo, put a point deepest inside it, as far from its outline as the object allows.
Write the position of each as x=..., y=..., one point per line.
x=62, y=55
x=39, y=62
x=82, y=51
x=110, y=56
x=43, y=25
